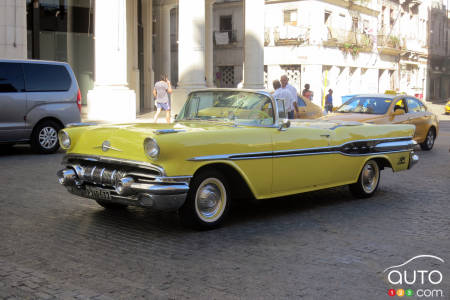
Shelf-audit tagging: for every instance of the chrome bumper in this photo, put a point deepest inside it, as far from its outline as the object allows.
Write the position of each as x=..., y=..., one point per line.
x=413, y=159
x=130, y=187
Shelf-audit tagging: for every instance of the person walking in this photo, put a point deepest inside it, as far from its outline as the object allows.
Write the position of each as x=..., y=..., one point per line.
x=329, y=101
x=292, y=105
x=161, y=93
x=307, y=93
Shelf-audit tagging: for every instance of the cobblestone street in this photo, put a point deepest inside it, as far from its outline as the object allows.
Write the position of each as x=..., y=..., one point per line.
x=320, y=245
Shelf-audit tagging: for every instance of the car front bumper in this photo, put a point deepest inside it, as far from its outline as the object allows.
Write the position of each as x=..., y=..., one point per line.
x=123, y=182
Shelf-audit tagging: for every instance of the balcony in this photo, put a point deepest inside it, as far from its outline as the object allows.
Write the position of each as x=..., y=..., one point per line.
x=291, y=35
x=224, y=38
x=389, y=44
x=348, y=41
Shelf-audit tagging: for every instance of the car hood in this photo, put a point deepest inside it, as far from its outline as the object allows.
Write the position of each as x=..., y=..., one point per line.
x=352, y=117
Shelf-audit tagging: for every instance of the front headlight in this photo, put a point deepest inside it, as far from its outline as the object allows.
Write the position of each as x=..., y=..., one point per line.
x=151, y=148
x=64, y=139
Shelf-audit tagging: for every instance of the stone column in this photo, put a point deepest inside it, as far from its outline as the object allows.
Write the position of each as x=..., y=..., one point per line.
x=209, y=46
x=254, y=44
x=13, y=30
x=191, y=47
x=165, y=42
x=147, y=18
x=191, y=51
x=111, y=100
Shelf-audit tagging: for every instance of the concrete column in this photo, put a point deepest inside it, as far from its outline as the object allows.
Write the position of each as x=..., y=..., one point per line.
x=111, y=100
x=191, y=47
x=254, y=44
x=165, y=41
x=209, y=47
x=13, y=30
x=147, y=18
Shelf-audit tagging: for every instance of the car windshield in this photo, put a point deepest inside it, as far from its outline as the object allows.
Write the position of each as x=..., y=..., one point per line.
x=366, y=105
x=228, y=106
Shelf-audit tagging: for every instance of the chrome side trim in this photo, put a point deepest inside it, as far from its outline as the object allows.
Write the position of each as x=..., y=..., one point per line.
x=353, y=148
x=113, y=160
x=165, y=131
x=81, y=124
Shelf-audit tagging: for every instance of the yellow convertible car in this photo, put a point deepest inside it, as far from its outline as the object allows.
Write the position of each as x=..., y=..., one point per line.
x=391, y=109
x=226, y=145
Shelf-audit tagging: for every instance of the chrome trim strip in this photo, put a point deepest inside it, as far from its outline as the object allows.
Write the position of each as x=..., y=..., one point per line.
x=165, y=131
x=408, y=144
x=113, y=160
x=81, y=124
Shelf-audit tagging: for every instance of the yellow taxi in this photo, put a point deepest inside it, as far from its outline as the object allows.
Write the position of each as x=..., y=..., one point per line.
x=391, y=109
x=307, y=109
x=447, y=107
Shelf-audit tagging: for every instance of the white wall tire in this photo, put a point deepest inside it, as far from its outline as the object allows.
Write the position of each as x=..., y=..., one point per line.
x=368, y=180
x=208, y=201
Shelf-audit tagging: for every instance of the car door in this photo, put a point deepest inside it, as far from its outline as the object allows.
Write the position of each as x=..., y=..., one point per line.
x=399, y=103
x=12, y=102
x=417, y=115
x=296, y=164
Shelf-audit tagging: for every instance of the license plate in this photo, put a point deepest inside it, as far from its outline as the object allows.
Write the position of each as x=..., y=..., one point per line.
x=97, y=193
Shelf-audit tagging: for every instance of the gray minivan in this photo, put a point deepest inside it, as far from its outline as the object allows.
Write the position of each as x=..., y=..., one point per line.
x=37, y=99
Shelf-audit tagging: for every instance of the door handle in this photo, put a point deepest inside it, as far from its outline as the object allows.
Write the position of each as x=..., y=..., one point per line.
x=325, y=135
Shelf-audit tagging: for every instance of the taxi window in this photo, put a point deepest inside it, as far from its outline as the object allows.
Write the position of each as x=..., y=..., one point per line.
x=414, y=106
x=400, y=104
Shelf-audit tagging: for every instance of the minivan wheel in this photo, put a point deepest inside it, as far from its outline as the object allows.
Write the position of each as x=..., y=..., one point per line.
x=44, y=138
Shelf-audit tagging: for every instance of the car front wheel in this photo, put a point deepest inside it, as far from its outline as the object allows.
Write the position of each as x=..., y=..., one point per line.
x=429, y=140
x=368, y=180
x=208, y=201
x=45, y=137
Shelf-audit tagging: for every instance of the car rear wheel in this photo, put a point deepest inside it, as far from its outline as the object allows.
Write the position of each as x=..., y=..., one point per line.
x=44, y=138
x=368, y=180
x=429, y=140
x=208, y=201
x=111, y=205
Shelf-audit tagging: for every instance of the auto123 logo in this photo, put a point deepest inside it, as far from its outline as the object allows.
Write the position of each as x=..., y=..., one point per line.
x=419, y=276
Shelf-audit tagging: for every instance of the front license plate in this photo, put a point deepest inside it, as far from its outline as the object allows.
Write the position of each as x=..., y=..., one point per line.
x=97, y=193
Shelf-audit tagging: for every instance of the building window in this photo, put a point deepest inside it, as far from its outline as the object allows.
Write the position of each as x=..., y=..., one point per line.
x=226, y=23
x=290, y=17
x=226, y=76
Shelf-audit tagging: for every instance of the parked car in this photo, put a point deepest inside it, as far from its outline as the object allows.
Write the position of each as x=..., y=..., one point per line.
x=227, y=144
x=391, y=109
x=37, y=99
x=307, y=109
x=447, y=107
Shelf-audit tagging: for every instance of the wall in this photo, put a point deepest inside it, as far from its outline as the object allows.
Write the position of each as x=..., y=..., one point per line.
x=13, y=29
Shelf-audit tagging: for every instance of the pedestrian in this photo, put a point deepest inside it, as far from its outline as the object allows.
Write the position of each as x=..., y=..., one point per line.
x=307, y=93
x=292, y=105
x=280, y=93
x=329, y=101
x=161, y=93
x=240, y=85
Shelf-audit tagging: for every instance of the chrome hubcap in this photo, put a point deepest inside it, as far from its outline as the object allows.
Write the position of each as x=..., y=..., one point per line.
x=48, y=137
x=210, y=200
x=430, y=139
x=370, y=176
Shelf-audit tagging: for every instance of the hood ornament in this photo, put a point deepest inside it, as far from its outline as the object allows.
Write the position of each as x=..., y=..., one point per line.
x=106, y=145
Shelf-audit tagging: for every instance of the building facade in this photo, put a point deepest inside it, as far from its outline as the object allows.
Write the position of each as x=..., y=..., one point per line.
x=119, y=48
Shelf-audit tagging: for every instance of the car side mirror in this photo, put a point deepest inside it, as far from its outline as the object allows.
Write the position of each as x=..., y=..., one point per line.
x=399, y=111
x=284, y=124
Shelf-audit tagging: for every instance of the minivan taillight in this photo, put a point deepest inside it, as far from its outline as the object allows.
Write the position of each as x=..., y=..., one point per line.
x=79, y=100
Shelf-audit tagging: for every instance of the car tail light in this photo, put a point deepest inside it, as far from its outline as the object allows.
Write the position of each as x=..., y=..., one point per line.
x=79, y=100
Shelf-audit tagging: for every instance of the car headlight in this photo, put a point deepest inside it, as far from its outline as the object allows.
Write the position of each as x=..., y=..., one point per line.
x=64, y=139
x=151, y=148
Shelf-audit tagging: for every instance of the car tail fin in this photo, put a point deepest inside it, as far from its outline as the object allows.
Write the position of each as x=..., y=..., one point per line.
x=79, y=100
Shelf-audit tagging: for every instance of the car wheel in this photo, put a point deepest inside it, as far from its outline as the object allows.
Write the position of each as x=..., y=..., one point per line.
x=44, y=138
x=429, y=140
x=368, y=180
x=111, y=205
x=208, y=201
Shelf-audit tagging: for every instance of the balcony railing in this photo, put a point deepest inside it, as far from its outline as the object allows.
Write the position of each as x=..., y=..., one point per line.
x=291, y=35
x=226, y=37
x=389, y=44
x=360, y=42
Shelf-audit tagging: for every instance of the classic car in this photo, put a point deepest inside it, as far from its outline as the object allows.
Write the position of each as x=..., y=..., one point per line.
x=391, y=109
x=227, y=145
x=307, y=109
x=447, y=107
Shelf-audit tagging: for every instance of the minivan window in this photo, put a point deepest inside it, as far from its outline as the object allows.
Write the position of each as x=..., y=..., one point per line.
x=11, y=78
x=45, y=78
